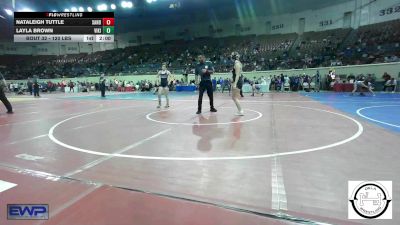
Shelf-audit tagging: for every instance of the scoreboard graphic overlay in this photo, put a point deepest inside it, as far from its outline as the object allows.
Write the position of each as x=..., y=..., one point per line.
x=64, y=27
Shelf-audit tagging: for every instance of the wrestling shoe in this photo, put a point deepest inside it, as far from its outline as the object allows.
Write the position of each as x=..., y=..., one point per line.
x=240, y=113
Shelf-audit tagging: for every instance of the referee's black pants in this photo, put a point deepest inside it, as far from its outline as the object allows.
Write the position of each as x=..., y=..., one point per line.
x=5, y=101
x=206, y=86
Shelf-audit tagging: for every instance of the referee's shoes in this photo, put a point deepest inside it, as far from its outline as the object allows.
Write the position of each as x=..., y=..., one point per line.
x=211, y=110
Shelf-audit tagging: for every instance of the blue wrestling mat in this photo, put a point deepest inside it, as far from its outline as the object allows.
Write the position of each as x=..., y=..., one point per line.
x=382, y=109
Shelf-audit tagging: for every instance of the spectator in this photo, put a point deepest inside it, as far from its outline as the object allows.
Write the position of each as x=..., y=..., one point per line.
x=3, y=98
x=71, y=86
x=391, y=85
x=30, y=85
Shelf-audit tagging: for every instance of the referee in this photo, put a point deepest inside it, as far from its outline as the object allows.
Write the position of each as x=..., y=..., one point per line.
x=205, y=69
x=3, y=98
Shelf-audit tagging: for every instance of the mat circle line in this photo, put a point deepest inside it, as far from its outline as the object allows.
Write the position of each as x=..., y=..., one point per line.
x=375, y=120
x=148, y=116
x=360, y=130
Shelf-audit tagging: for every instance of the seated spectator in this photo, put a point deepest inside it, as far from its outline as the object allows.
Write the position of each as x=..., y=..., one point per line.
x=386, y=77
x=286, y=83
x=390, y=85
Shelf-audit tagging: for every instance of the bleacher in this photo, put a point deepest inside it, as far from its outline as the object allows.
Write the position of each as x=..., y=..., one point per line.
x=316, y=43
x=373, y=43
